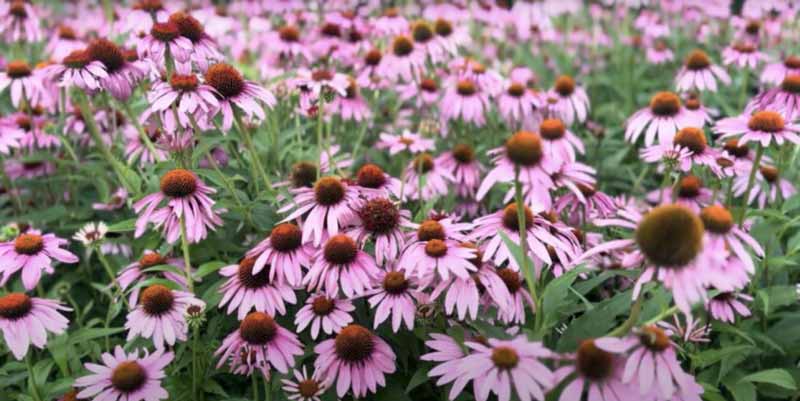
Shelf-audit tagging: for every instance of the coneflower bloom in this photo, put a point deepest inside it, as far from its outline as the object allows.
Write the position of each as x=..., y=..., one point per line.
x=597, y=367
x=423, y=93
x=136, y=150
x=391, y=22
x=517, y=104
x=142, y=15
x=303, y=387
x=63, y=42
x=10, y=136
x=775, y=73
x=769, y=184
x=700, y=73
x=370, y=72
x=313, y=84
x=723, y=235
x=356, y=360
x=558, y=142
x=726, y=305
x=462, y=164
x=233, y=90
x=426, y=171
x=669, y=241
x=653, y=364
x=520, y=299
x=287, y=42
x=662, y=119
x=187, y=199
x=123, y=74
x=372, y=182
x=259, y=343
x=592, y=202
x=325, y=313
x=523, y=150
x=341, y=266
x=126, y=376
x=424, y=38
x=77, y=69
x=434, y=253
x=161, y=315
x=785, y=97
x=693, y=331
x=571, y=101
x=164, y=38
x=448, y=354
x=763, y=126
x=32, y=253
x=689, y=148
x=466, y=101
x=659, y=53
x=136, y=272
x=283, y=254
x=504, y=367
x=488, y=81
x=689, y=192
x=701, y=113
x=394, y=296
x=32, y=131
x=204, y=49
x=743, y=55
x=351, y=106
x=409, y=141
x=20, y=22
x=23, y=84
x=183, y=98
x=404, y=60
x=382, y=222
x=246, y=290
x=26, y=320
x=326, y=207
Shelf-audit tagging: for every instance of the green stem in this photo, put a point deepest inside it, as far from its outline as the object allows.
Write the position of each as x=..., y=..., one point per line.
x=142, y=134
x=31, y=382
x=112, y=276
x=186, y=257
x=523, y=239
x=750, y=181
x=633, y=317
x=248, y=142
x=195, y=334
x=255, y=386
x=661, y=316
x=321, y=106
x=267, y=390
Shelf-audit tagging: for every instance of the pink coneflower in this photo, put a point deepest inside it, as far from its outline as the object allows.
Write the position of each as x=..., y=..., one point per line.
x=726, y=305
x=319, y=82
x=135, y=148
x=326, y=207
x=558, y=142
x=515, y=310
x=123, y=73
x=370, y=71
x=523, y=150
x=341, y=266
x=382, y=222
x=504, y=367
x=30, y=129
x=247, y=289
x=743, y=55
x=449, y=36
x=126, y=376
x=63, y=42
x=161, y=315
x=597, y=368
x=669, y=242
x=435, y=254
x=518, y=104
x=23, y=84
x=425, y=39
x=142, y=15
x=775, y=73
x=25, y=320
x=19, y=22
x=233, y=90
x=395, y=296
x=689, y=192
x=187, y=203
x=135, y=273
x=423, y=93
x=115, y=202
x=592, y=203
x=77, y=69
x=700, y=73
x=10, y=136
x=689, y=148
x=693, y=331
x=462, y=164
x=763, y=126
x=448, y=353
x=162, y=39
x=32, y=253
x=408, y=141
x=259, y=343
x=28, y=170
x=204, y=49
x=653, y=364
x=426, y=171
x=659, y=53
x=662, y=119
x=183, y=98
x=304, y=388
x=351, y=106
x=723, y=235
x=695, y=107
x=287, y=42
x=466, y=101
x=356, y=359
x=282, y=254
x=391, y=22
x=372, y=182
x=769, y=184
x=322, y=312
x=568, y=101
x=403, y=61
x=785, y=97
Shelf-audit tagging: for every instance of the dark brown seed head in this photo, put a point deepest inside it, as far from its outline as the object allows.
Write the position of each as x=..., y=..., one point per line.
x=511, y=220
x=552, y=129
x=128, y=377
x=428, y=85
x=156, y=300
x=286, y=237
x=329, y=191
x=178, y=183
x=379, y=216
x=77, y=59
x=565, y=85
x=354, y=344
x=250, y=280
x=185, y=83
x=308, y=388
x=423, y=163
x=516, y=89
x=443, y=27
x=331, y=30
x=422, y=31
x=524, y=148
x=15, y=305
x=303, y=174
x=289, y=33
x=792, y=62
x=739, y=151
x=28, y=244
x=769, y=173
x=791, y=84
x=654, y=338
x=258, y=328
x=511, y=279
x=18, y=69
x=165, y=31
x=466, y=87
x=691, y=138
x=322, y=305
x=430, y=229
x=225, y=79
x=402, y=46
x=395, y=282
x=670, y=236
x=689, y=186
x=505, y=358
x=766, y=121
x=340, y=250
x=108, y=53
x=436, y=248
x=717, y=219
x=151, y=259
x=697, y=60
x=371, y=176
x=373, y=57
x=593, y=362
x=665, y=104
x=464, y=153
x=188, y=26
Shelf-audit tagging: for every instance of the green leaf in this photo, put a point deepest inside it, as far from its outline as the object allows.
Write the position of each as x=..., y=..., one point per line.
x=87, y=334
x=207, y=268
x=514, y=248
x=420, y=376
x=709, y=357
x=743, y=391
x=778, y=377
x=123, y=226
x=555, y=295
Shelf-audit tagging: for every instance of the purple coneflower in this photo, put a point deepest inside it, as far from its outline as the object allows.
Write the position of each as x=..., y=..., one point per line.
x=517, y=104
x=520, y=299
x=135, y=148
x=763, y=126
x=426, y=171
x=126, y=376
x=322, y=312
x=382, y=222
x=700, y=73
x=341, y=266
x=161, y=315
x=19, y=22
x=689, y=148
x=462, y=164
x=123, y=72
x=597, y=367
x=283, y=254
x=726, y=305
x=182, y=97
x=164, y=38
x=435, y=254
x=466, y=101
x=245, y=290
x=662, y=119
x=403, y=60
x=233, y=90
x=304, y=388
x=136, y=272
x=723, y=235
x=448, y=353
x=743, y=55
x=356, y=360
x=351, y=106
x=259, y=343
x=558, y=142
x=396, y=297
x=204, y=49
x=326, y=207
x=77, y=69
x=287, y=42
x=187, y=203
x=32, y=253
x=25, y=320
x=570, y=102
x=23, y=84
x=775, y=73
x=372, y=182
x=785, y=97
x=769, y=185
x=412, y=142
